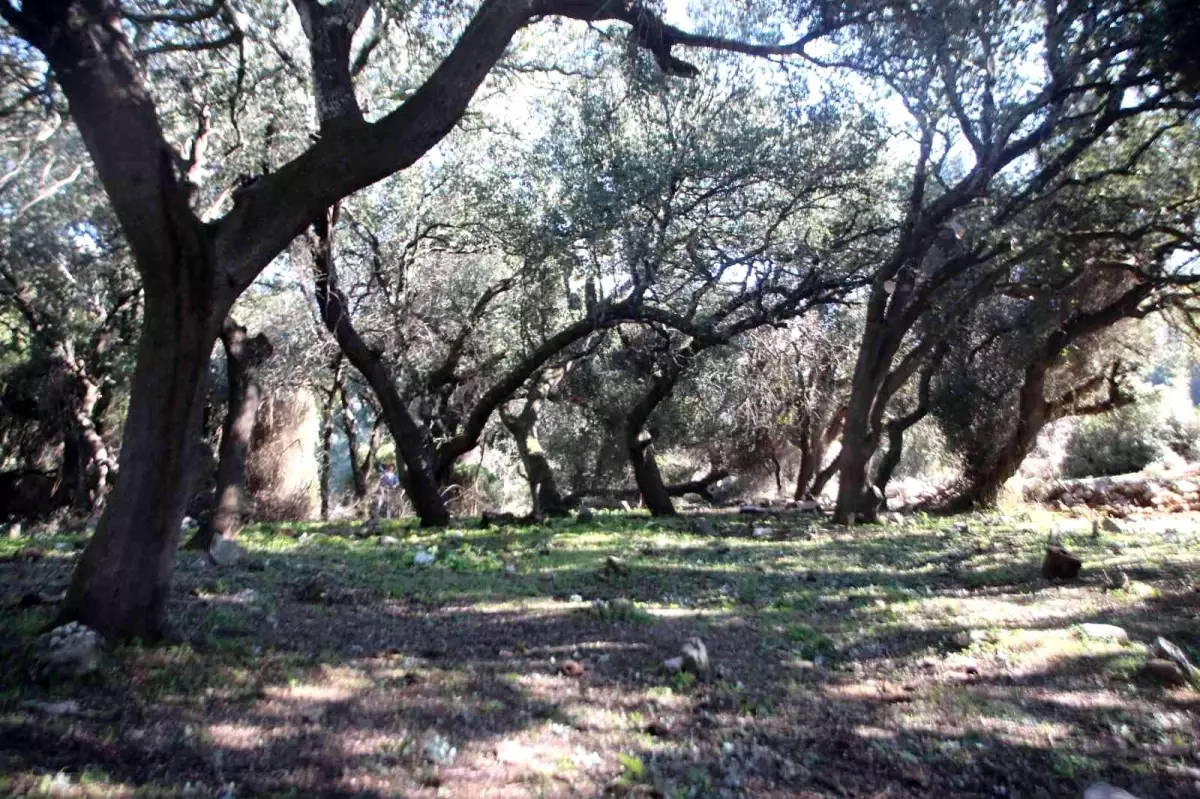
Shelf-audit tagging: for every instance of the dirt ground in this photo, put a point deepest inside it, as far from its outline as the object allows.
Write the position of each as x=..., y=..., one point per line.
x=923, y=659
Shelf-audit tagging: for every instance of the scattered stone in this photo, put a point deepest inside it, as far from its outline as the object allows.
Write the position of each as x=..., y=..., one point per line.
x=585, y=516
x=613, y=565
x=67, y=707
x=438, y=750
x=571, y=668
x=1164, y=671
x=514, y=753
x=225, y=552
x=70, y=651
x=761, y=532
x=575, y=598
x=695, y=657
x=673, y=665
x=1104, y=632
x=961, y=528
x=1168, y=651
x=424, y=558
x=389, y=541
x=1060, y=564
x=1102, y=790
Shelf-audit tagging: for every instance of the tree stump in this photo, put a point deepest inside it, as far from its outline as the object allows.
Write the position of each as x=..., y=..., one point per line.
x=1060, y=564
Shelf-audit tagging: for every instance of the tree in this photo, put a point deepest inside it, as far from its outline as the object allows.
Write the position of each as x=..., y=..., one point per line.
x=243, y=355
x=193, y=270
x=964, y=76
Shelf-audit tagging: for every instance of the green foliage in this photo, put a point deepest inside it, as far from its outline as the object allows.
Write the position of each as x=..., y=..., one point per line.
x=1129, y=439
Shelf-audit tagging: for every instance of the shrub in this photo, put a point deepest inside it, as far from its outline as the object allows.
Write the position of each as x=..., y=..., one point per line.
x=1124, y=441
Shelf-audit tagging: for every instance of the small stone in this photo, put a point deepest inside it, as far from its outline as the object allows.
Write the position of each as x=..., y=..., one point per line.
x=423, y=558
x=1164, y=671
x=761, y=532
x=695, y=657
x=1102, y=790
x=704, y=526
x=613, y=565
x=585, y=516
x=67, y=707
x=1168, y=651
x=389, y=541
x=673, y=665
x=438, y=750
x=1111, y=525
x=225, y=552
x=1104, y=632
x=571, y=668
x=961, y=527
x=69, y=651
x=575, y=598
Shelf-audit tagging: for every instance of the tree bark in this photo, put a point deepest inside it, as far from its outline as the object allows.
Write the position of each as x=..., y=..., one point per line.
x=121, y=584
x=243, y=355
x=545, y=497
x=327, y=421
x=649, y=480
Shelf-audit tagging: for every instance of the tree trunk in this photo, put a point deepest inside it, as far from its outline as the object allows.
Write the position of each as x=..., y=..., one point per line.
x=649, y=480
x=327, y=418
x=122, y=582
x=543, y=488
x=242, y=356
x=92, y=450
x=419, y=480
x=359, y=469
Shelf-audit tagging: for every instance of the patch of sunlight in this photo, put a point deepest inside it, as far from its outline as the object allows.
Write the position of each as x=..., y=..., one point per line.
x=308, y=692
x=874, y=733
x=236, y=736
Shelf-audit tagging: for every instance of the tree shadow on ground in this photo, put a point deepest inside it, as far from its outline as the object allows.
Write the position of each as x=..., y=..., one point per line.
x=824, y=683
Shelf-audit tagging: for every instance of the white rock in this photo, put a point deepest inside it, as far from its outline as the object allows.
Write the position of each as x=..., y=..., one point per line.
x=1104, y=632
x=423, y=558
x=1102, y=790
x=673, y=665
x=225, y=552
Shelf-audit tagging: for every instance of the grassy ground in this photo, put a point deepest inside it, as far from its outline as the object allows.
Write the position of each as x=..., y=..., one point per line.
x=929, y=659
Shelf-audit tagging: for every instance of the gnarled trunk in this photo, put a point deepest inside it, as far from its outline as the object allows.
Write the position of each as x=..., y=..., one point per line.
x=649, y=480
x=243, y=355
x=121, y=584
x=419, y=482
x=545, y=497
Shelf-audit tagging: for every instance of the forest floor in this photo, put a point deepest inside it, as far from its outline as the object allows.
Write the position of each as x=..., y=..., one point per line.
x=929, y=659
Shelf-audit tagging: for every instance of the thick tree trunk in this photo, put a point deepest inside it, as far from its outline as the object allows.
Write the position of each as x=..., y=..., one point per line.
x=546, y=499
x=544, y=494
x=360, y=469
x=419, y=480
x=242, y=356
x=121, y=584
x=649, y=480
